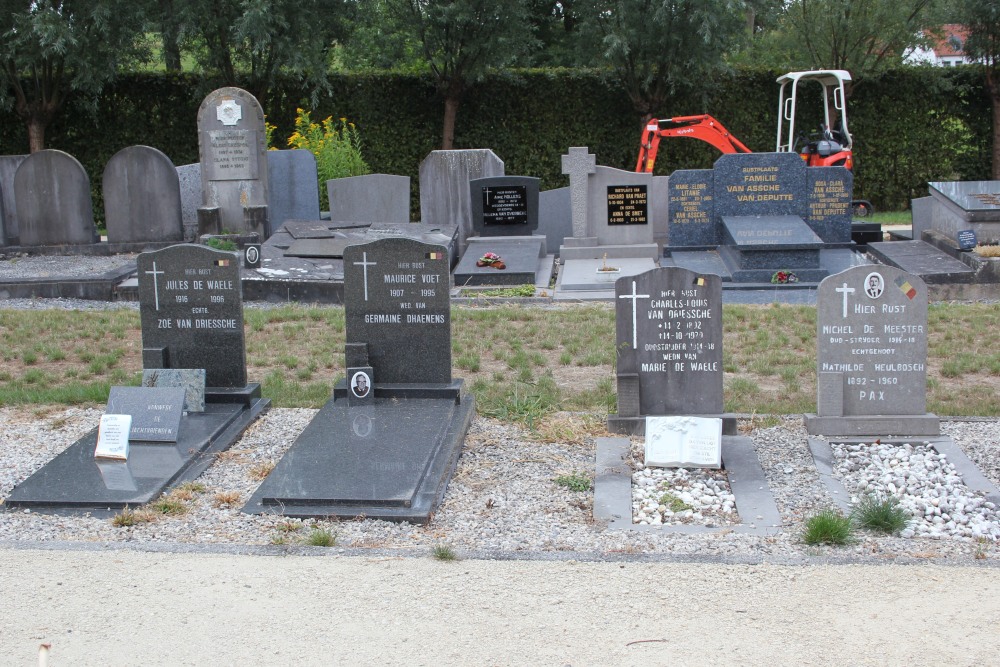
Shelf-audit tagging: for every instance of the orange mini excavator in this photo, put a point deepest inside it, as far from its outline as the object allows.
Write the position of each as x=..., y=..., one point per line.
x=830, y=147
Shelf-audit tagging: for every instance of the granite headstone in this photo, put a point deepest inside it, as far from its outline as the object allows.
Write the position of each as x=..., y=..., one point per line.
x=52, y=195
x=444, y=186
x=293, y=187
x=9, y=229
x=871, y=357
x=234, y=174
x=691, y=213
x=555, y=219
x=369, y=198
x=396, y=303
x=142, y=199
x=189, y=179
x=156, y=411
x=668, y=345
x=191, y=307
x=829, y=195
x=504, y=205
x=752, y=184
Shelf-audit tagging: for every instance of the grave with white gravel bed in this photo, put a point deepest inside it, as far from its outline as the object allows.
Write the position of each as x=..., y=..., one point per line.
x=674, y=496
x=925, y=483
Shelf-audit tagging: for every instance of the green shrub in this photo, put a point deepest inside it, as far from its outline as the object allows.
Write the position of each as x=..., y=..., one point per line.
x=883, y=515
x=828, y=527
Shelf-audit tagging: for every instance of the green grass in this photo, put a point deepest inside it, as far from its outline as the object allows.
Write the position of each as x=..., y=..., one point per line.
x=443, y=552
x=881, y=515
x=321, y=537
x=828, y=527
x=574, y=482
x=891, y=217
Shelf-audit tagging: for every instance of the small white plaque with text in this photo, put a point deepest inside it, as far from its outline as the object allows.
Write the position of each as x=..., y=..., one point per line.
x=684, y=442
x=112, y=437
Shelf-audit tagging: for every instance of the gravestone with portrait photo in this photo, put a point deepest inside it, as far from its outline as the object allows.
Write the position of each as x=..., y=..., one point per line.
x=871, y=354
x=387, y=442
x=191, y=310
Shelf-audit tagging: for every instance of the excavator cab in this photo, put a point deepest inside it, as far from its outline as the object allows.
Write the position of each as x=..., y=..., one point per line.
x=831, y=145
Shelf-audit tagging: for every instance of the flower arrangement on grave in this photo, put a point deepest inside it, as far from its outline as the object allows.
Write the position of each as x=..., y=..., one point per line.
x=604, y=268
x=784, y=277
x=987, y=250
x=491, y=259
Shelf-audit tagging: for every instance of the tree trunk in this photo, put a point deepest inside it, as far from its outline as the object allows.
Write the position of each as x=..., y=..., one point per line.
x=448, y=131
x=36, y=134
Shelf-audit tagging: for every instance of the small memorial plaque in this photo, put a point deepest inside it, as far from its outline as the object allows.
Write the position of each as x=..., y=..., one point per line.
x=505, y=205
x=192, y=380
x=233, y=155
x=361, y=390
x=251, y=255
x=627, y=205
x=967, y=240
x=156, y=412
x=112, y=437
x=684, y=442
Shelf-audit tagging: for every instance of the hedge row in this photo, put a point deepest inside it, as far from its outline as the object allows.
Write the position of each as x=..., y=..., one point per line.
x=910, y=126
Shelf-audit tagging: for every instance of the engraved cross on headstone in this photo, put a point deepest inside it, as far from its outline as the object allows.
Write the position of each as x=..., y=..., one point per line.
x=156, y=288
x=364, y=264
x=635, y=301
x=578, y=164
x=845, y=290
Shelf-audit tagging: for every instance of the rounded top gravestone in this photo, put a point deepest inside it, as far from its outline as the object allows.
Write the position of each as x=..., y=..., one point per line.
x=52, y=194
x=142, y=197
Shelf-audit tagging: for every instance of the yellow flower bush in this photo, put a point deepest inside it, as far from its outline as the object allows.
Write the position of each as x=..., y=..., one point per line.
x=337, y=146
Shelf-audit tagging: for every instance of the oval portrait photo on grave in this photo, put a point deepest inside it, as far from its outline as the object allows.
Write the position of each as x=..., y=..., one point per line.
x=360, y=384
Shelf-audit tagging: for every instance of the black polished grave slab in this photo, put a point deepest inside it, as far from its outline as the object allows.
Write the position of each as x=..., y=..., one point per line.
x=504, y=205
x=191, y=307
x=520, y=256
x=755, y=247
x=923, y=259
x=74, y=481
x=391, y=460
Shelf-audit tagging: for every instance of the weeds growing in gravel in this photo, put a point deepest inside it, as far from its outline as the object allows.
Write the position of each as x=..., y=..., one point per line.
x=129, y=517
x=321, y=537
x=223, y=498
x=828, y=527
x=259, y=471
x=170, y=506
x=574, y=482
x=673, y=503
x=443, y=552
x=880, y=514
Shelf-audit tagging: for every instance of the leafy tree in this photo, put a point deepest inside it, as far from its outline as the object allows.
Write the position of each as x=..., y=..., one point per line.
x=861, y=36
x=658, y=48
x=982, y=19
x=462, y=40
x=248, y=42
x=53, y=47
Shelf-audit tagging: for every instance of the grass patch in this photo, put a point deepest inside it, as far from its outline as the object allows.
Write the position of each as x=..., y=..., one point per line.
x=226, y=498
x=880, y=514
x=259, y=471
x=673, y=503
x=443, y=552
x=170, y=506
x=321, y=537
x=129, y=517
x=574, y=482
x=828, y=527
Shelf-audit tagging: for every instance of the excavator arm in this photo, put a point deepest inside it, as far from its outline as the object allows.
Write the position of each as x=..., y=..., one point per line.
x=702, y=127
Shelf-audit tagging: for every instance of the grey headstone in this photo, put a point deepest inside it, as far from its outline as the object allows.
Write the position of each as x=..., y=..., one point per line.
x=829, y=192
x=579, y=163
x=142, y=199
x=189, y=179
x=52, y=195
x=967, y=205
x=669, y=343
x=396, y=301
x=555, y=219
x=191, y=380
x=691, y=215
x=232, y=147
x=748, y=184
x=191, y=307
x=369, y=198
x=444, y=186
x=156, y=411
x=871, y=327
x=504, y=205
x=293, y=186
x=626, y=208
x=9, y=229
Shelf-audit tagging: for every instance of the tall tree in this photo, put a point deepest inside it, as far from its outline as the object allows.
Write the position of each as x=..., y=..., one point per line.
x=656, y=48
x=248, y=42
x=52, y=47
x=462, y=41
x=862, y=36
x=982, y=19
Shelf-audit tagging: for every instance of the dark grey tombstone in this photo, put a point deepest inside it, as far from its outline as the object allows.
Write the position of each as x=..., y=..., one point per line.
x=691, y=213
x=142, y=198
x=871, y=354
x=555, y=218
x=9, y=229
x=293, y=187
x=749, y=184
x=387, y=453
x=156, y=411
x=192, y=380
x=189, y=178
x=52, y=195
x=668, y=346
x=444, y=186
x=396, y=302
x=829, y=194
x=522, y=259
x=234, y=178
x=191, y=307
x=504, y=205
x=369, y=198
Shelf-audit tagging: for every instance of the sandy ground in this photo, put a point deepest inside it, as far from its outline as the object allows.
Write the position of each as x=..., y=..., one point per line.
x=123, y=607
